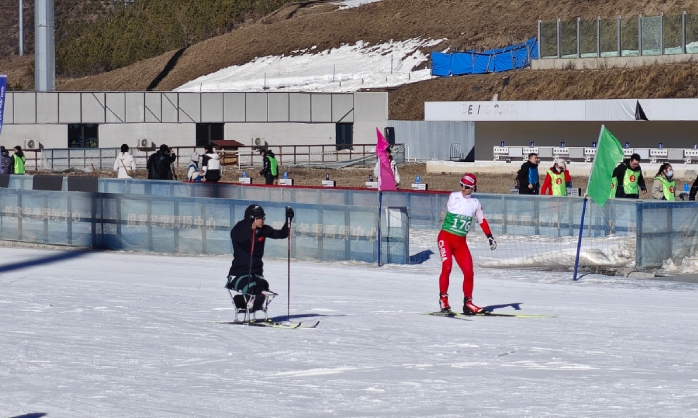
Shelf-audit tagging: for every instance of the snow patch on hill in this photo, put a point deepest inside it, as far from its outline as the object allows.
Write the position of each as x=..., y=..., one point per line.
x=344, y=69
x=347, y=4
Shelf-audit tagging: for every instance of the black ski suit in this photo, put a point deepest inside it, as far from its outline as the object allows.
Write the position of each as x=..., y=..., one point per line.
x=241, y=235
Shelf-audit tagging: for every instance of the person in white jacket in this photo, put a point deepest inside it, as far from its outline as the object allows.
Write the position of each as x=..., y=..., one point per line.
x=211, y=165
x=193, y=172
x=124, y=163
x=393, y=166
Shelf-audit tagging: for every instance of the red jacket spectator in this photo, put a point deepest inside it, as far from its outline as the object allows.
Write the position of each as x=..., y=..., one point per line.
x=558, y=168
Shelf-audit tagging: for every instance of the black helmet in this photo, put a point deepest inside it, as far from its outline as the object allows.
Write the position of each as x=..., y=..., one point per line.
x=254, y=212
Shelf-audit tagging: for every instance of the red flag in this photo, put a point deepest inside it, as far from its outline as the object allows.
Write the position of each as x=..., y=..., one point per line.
x=386, y=180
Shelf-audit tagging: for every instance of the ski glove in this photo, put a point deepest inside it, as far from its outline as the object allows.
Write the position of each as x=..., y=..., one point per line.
x=493, y=243
x=289, y=213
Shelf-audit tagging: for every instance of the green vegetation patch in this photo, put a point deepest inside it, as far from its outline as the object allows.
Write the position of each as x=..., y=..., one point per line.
x=148, y=28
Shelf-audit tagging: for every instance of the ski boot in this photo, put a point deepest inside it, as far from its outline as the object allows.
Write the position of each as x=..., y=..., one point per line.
x=469, y=308
x=443, y=302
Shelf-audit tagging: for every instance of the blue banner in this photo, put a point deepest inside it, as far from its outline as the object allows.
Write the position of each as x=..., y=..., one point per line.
x=3, y=88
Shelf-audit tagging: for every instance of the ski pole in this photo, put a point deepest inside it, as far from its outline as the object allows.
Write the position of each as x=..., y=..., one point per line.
x=249, y=276
x=288, y=285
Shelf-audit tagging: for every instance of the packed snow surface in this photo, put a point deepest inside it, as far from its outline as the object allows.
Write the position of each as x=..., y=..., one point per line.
x=344, y=69
x=115, y=334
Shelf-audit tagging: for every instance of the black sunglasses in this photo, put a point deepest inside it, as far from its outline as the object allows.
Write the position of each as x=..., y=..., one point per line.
x=466, y=187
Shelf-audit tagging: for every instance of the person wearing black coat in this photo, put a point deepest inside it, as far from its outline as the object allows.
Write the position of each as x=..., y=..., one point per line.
x=160, y=164
x=527, y=176
x=246, y=274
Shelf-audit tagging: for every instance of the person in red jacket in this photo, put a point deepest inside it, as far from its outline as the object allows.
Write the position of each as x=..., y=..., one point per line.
x=557, y=179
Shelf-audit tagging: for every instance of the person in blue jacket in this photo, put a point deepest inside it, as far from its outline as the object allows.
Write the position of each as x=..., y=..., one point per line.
x=527, y=177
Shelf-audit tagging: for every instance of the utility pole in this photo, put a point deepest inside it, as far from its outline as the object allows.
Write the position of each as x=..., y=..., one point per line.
x=21, y=28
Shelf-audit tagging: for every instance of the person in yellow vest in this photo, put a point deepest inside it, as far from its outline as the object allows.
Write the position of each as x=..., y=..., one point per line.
x=270, y=170
x=614, y=186
x=629, y=178
x=664, y=187
x=18, y=160
x=557, y=179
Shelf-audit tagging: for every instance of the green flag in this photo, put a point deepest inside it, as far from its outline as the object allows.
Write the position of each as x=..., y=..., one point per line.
x=608, y=154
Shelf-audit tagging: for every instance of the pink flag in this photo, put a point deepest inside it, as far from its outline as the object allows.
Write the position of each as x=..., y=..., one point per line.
x=386, y=180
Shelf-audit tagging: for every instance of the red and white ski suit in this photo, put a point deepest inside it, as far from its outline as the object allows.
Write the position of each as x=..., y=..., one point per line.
x=452, y=241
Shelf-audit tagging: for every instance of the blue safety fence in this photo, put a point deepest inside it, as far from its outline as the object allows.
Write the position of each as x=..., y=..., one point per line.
x=533, y=231
x=491, y=61
x=186, y=225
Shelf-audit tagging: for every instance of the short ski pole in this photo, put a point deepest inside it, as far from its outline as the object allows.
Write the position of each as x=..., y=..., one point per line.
x=249, y=276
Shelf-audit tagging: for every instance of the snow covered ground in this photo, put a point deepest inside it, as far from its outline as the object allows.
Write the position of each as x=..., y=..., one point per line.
x=347, y=4
x=111, y=334
x=343, y=69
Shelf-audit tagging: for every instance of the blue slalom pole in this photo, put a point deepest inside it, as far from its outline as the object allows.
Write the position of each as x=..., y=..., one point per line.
x=380, y=209
x=579, y=242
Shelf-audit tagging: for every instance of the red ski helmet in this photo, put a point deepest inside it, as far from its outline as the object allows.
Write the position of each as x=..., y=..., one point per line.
x=468, y=180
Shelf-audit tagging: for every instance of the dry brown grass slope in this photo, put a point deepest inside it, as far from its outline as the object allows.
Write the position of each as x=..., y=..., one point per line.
x=465, y=24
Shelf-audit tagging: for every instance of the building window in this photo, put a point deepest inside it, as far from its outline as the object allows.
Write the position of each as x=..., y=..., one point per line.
x=344, y=136
x=207, y=132
x=83, y=136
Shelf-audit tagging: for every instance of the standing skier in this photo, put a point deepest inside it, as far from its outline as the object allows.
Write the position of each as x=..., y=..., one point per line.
x=246, y=272
x=462, y=208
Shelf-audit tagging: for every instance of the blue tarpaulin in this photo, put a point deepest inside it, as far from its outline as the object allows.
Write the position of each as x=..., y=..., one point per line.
x=440, y=64
x=490, y=61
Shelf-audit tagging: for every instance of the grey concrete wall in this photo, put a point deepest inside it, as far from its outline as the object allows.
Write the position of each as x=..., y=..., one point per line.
x=212, y=107
x=116, y=107
x=343, y=108
x=172, y=134
x=296, y=115
x=136, y=108
x=46, y=108
x=282, y=133
x=370, y=112
x=427, y=140
x=170, y=108
x=640, y=134
x=256, y=107
x=24, y=108
x=92, y=105
x=300, y=107
x=278, y=107
x=234, y=107
x=49, y=135
x=69, y=108
x=189, y=107
x=8, y=111
x=321, y=108
x=609, y=62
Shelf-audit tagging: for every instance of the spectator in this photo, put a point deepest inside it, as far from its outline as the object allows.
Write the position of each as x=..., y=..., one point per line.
x=270, y=170
x=18, y=160
x=193, y=172
x=124, y=164
x=557, y=179
x=628, y=176
x=393, y=166
x=211, y=165
x=527, y=176
x=664, y=187
x=160, y=164
x=5, y=161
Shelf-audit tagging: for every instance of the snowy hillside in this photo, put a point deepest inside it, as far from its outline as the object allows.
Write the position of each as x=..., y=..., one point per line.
x=344, y=69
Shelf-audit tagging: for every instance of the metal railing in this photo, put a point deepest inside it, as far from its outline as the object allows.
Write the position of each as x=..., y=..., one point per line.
x=87, y=159
x=619, y=37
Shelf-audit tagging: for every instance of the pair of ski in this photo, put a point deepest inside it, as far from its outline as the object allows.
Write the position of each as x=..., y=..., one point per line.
x=271, y=324
x=459, y=315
